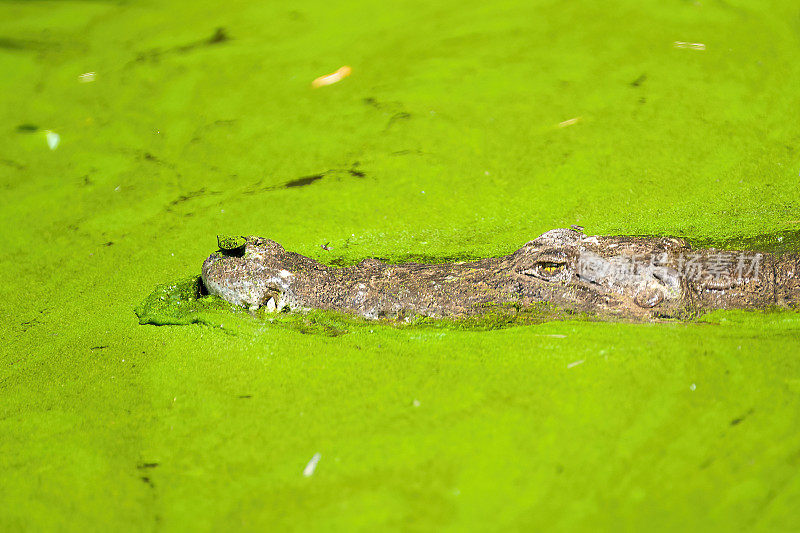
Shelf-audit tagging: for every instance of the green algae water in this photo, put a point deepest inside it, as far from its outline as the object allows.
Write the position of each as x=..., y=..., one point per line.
x=132, y=133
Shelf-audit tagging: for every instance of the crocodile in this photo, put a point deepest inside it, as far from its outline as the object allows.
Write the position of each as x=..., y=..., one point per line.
x=610, y=277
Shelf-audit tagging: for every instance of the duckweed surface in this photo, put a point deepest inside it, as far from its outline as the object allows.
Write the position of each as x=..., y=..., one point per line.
x=133, y=133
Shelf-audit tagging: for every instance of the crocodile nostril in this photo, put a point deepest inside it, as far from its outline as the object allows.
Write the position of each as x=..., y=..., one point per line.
x=649, y=297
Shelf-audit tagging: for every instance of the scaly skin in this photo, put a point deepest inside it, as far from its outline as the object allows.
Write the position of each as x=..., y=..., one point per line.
x=630, y=278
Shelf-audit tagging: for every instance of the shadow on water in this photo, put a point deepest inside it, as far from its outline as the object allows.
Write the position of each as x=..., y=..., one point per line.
x=219, y=36
x=7, y=43
x=302, y=182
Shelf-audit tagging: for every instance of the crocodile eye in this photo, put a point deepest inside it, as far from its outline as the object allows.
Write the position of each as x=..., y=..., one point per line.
x=548, y=265
x=549, y=269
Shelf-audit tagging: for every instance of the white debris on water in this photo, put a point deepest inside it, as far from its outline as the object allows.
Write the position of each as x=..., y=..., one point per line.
x=87, y=77
x=416, y=403
x=53, y=139
x=576, y=363
x=332, y=78
x=690, y=46
x=308, y=471
x=569, y=122
x=692, y=387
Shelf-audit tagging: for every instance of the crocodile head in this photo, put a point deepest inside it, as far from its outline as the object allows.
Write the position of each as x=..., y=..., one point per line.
x=626, y=277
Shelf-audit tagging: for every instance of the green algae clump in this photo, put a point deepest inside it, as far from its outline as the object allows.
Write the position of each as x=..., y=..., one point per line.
x=183, y=302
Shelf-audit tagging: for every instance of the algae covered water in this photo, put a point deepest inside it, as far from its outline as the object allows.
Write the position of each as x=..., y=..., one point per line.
x=133, y=133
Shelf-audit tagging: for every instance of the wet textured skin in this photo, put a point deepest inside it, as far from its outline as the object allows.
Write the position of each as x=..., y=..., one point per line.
x=636, y=278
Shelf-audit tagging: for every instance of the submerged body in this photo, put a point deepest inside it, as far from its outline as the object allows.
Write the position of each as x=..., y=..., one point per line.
x=638, y=278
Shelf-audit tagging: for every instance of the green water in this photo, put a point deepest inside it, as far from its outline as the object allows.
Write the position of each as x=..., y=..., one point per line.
x=453, y=138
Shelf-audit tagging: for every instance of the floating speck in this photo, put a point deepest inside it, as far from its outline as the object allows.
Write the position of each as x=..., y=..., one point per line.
x=53, y=139
x=308, y=471
x=690, y=46
x=692, y=387
x=416, y=403
x=569, y=122
x=575, y=363
x=87, y=77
